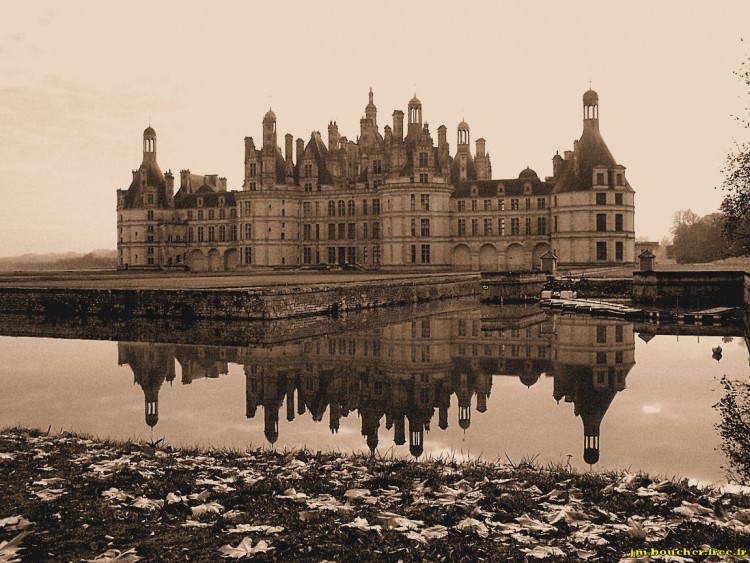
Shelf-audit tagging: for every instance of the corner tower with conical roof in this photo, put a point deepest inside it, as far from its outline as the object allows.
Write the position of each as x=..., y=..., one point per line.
x=143, y=211
x=592, y=201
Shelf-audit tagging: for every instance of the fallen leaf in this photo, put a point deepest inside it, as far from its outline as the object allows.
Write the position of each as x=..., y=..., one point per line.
x=9, y=549
x=115, y=555
x=472, y=525
x=245, y=548
x=208, y=508
x=362, y=524
x=534, y=525
x=543, y=552
x=49, y=494
x=248, y=528
x=14, y=523
x=147, y=504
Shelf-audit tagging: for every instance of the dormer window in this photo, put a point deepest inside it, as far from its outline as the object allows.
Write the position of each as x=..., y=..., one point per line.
x=221, y=202
x=150, y=198
x=619, y=179
x=600, y=178
x=527, y=188
x=423, y=160
x=473, y=190
x=199, y=202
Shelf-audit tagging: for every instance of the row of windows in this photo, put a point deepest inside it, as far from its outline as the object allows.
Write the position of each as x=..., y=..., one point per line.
x=601, y=222
x=515, y=227
x=340, y=231
x=340, y=255
x=601, y=251
x=612, y=179
x=601, y=198
x=541, y=203
x=424, y=253
x=200, y=214
x=212, y=231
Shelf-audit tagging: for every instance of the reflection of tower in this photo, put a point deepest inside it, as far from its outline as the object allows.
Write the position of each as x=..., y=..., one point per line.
x=151, y=365
x=463, y=393
x=594, y=358
x=371, y=405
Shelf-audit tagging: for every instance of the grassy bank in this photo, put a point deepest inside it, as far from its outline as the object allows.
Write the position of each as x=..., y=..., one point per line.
x=72, y=498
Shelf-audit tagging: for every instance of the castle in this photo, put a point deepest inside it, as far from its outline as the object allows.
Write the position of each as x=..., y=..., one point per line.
x=391, y=200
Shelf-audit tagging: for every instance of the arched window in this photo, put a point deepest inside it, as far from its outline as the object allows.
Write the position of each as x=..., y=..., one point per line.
x=331, y=208
x=342, y=208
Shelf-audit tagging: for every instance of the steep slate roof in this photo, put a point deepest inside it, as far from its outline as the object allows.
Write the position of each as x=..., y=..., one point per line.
x=154, y=178
x=318, y=150
x=512, y=187
x=183, y=200
x=591, y=151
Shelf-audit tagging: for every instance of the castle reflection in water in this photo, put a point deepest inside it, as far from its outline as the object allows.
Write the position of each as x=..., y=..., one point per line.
x=400, y=374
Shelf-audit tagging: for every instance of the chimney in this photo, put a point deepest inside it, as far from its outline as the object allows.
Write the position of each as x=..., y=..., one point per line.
x=398, y=125
x=288, y=140
x=249, y=148
x=442, y=136
x=185, y=181
x=480, y=147
x=300, y=150
x=333, y=136
x=170, y=185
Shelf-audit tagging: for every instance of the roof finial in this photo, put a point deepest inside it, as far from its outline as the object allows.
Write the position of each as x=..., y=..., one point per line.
x=269, y=102
x=589, y=84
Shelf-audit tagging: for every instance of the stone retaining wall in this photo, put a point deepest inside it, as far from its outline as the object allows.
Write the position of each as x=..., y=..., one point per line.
x=273, y=302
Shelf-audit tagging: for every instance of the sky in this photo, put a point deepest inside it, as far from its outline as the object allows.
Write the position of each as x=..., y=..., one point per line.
x=79, y=81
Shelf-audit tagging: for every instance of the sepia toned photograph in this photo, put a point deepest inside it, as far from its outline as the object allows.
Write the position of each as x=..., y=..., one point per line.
x=354, y=281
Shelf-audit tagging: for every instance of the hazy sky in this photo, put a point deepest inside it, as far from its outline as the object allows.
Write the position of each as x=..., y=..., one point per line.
x=79, y=81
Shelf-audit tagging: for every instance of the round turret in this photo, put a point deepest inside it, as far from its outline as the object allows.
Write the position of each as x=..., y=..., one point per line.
x=149, y=132
x=269, y=115
x=528, y=174
x=590, y=98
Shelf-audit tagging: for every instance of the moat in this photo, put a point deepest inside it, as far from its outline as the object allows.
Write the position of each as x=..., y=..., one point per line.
x=456, y=378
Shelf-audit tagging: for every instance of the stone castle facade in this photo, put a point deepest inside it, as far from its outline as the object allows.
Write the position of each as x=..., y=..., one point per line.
x=394, y=199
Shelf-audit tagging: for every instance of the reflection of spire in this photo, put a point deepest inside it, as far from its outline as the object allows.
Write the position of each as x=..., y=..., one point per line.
x=152, y=364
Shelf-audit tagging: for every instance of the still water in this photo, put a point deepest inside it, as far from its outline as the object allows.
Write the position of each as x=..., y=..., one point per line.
x=458, y=379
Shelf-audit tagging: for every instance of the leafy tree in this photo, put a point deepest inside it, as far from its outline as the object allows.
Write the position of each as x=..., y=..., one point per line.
x=698, y=239
x=734, y=428
x=736, y=203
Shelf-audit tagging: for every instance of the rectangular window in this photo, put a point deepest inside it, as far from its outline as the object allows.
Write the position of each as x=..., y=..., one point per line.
x=515, y=226
x=619, y=251
x=364, y=230
x=422, y=159
x=601, y=222
x=556, y=224
x=364, y=207
x=487, y=204
x=423, y=178
x=413, y=253
x=306, y=231
x=248, y=231
x=210, y=214
x=528, y=203
x=541, y=225
x=306, y=209
x=307, y=170
x=619, y=179
x=462, y=205
x=601, y=198
x=375, y=260
x=474, y=227
x=462, y=227
x=514, y=204
x=376, y=207
x=248, y=255
x=488, y=227
x=473, y=204
x=618, y=222
x=599, y=178
x=541, y=203
x=424, y=200
x=618, y=199
x=222, y=233
x=377, y=167
x=190, y=234
x=601, y=334
x=222, y=213
x=425, y=254
x=342, y=231
x=413, y=225
x=253, y=169
x=233, y=232
x=200, y=234
x=501, y=227
x=352, y=231
x=425, y=227
x=351, y=255
x=501, y=204
x=308, y=186
x=601, y=250
x=527, y=225
x=190, y=214
x=331, y=231
x=413, y=202
x=331, y=257
x=211, y=233
x=618, y=333
x=375, y=234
